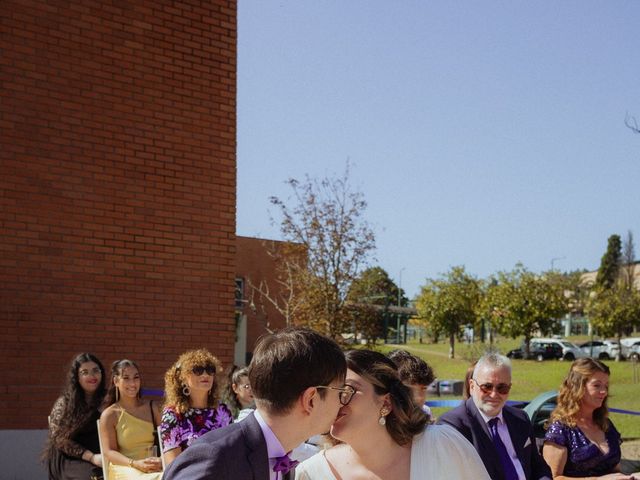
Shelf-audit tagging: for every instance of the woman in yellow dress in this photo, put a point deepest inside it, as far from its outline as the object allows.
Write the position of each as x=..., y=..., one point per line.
x=127, y=427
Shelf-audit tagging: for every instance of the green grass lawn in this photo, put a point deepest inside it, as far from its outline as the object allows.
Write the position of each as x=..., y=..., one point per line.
x=530, y=378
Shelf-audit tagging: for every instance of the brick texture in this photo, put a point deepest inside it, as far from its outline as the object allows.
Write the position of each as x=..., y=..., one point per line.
x=117, y=189
x=257, y=263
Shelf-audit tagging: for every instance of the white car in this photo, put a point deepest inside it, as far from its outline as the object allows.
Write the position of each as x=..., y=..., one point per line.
x=601, y=349
x=630, y=345
x=570, y=351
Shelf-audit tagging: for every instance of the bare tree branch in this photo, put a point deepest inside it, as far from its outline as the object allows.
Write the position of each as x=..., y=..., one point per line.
x=631, y=123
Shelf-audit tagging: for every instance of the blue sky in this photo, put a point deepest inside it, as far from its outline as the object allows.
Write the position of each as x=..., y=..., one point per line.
x=482, y=133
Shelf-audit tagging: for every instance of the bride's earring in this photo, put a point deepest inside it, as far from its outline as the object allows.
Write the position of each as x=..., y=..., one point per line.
x=382, y=421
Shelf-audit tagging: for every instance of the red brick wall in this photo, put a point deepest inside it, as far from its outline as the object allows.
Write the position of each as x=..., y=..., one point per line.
x=254, y=263
x=117, y=189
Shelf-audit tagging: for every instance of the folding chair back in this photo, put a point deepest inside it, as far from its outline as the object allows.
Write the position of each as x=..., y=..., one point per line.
x=105, y=462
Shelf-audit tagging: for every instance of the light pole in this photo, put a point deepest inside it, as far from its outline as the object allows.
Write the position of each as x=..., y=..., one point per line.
x=399, y=305
x=553, y=260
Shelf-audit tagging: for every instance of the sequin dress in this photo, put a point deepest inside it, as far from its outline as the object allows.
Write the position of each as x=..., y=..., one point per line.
x=180, y=430
x=584, y=458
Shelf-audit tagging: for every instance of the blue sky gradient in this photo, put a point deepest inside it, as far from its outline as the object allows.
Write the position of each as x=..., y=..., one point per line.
x=481, y=133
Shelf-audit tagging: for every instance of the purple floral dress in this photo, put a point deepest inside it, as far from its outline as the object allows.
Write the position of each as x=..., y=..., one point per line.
x=584, y=458
x=181, y=430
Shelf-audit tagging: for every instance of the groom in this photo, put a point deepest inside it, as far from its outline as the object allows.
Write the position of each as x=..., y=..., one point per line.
x=296, y=376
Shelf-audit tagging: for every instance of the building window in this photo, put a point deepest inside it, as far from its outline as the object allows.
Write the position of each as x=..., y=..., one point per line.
x=239, y=293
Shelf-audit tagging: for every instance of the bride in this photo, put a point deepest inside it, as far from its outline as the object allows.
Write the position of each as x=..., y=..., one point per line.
x=385, y=435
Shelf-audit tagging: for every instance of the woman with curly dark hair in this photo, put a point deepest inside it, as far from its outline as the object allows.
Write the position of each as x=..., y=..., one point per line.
x=385, y=434
x=73, y=450
x=581, y=441
x=192, y=406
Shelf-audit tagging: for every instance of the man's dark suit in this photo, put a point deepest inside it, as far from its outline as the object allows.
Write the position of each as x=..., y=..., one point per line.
x=235, y=452
x=467, y=420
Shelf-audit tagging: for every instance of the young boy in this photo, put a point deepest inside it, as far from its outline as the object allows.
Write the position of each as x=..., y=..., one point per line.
x=415, y=374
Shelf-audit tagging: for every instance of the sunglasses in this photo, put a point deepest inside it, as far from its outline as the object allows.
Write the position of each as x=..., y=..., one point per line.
x=501, y=388
x=346, y=393
x=200, y=369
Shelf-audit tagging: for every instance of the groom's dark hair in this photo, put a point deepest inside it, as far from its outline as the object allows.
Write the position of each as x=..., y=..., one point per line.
x=288, y=361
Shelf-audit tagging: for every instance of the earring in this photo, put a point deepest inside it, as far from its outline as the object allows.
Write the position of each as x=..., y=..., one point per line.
x=117, y=394
x=382, y=421
x=186, y=391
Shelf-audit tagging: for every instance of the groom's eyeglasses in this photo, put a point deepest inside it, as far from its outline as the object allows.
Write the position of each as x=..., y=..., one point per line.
x=345, y=395
x=501, y=388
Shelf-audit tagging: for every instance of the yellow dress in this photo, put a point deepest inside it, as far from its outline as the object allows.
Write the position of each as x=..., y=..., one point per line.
x=134, y=437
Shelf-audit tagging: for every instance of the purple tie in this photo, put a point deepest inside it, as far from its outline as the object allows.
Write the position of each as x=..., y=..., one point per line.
x=284, y=464
x=507, y=465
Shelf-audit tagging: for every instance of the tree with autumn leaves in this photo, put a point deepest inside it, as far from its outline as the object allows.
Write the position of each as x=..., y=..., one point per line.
x=325, y=218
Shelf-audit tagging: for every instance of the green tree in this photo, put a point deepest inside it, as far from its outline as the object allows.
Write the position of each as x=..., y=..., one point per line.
x=614, y=311
x=449, y=303
x=614, y=306
x=369, y=296
x=374, y=286
x=610, y=264
x=628, y=261
x=524, y=303
x=326, y=217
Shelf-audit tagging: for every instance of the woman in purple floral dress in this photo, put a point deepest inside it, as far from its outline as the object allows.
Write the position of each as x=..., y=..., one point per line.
x=192, y=406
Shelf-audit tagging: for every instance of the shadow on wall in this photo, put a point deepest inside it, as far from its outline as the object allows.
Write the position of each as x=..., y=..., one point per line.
x=20, y=454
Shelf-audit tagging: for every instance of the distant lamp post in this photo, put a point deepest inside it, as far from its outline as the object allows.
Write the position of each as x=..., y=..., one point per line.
x=553, y=260
x=399, y=305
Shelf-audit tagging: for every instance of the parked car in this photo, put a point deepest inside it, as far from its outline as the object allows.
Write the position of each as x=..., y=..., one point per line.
x=627, y=346
x=539, y=351
x=601, y=349
x=570, y=351
x=634, y=352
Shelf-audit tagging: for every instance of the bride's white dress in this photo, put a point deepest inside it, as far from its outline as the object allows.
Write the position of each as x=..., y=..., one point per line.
x=439, y=453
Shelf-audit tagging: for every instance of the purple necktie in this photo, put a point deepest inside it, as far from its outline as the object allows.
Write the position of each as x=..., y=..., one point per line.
x=507, y=465
x=284, y=464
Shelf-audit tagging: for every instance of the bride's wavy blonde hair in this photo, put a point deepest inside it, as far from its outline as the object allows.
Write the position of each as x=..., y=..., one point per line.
x=572, y=392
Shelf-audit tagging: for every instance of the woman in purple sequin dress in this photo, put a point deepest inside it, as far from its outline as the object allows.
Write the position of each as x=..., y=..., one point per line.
x=581, y=441
x=192, y=406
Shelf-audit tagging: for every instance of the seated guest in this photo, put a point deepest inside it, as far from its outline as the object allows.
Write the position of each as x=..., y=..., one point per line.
x=192, y=407
x=502, y=435
x=128, y=427
x=297, y=376
x=73, y=450
x=581, y=441
x=466, y=390
x=238, y=393
x=386, y=434
x=415, y=374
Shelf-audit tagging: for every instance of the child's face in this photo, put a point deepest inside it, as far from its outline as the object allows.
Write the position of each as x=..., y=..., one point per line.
x=419, y=392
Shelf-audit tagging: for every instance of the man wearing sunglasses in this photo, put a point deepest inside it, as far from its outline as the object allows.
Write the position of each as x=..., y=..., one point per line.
x=297, y=378
x=502, y=435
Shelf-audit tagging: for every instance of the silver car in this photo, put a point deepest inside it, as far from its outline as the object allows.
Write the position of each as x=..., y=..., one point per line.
x=570, y=351
x=630, y=347
x=601, y=349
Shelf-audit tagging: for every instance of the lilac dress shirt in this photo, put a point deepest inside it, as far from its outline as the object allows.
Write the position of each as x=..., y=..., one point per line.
x=274, y=447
